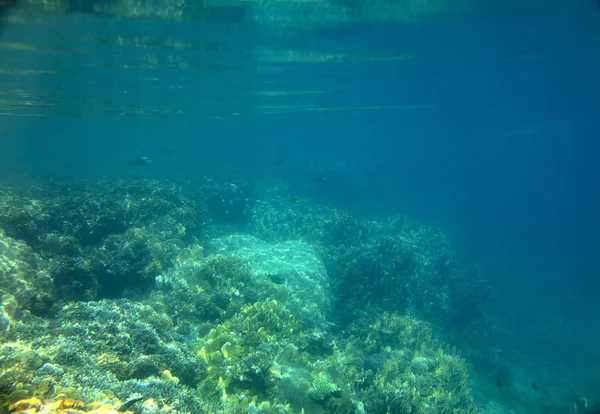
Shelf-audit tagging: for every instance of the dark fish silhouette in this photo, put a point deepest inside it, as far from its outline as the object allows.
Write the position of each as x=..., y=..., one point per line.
x=499, y=383
x=128, y=404
x=277, y=279
x=294, y=200
x=534, y=386
x=142, y=161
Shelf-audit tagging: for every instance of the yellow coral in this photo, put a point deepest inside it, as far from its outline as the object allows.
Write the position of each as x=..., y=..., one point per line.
x=62, y=404
x=168, y=377
x=231, y=351
x=27, y=405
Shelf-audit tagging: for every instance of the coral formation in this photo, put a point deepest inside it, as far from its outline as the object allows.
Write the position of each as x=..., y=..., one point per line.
x=61, y=405
x=289, y=271
x=102, y=350
x=396, y=265
x=24, y=281
x=145, y=294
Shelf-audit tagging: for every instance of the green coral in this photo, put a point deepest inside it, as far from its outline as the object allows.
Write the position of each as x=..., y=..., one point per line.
x=241, y=351
x=322, y=388
x=395, y=364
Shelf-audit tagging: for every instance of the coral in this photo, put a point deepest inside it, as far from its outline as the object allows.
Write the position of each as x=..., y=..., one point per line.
x=288, y=271
x=227, y=200
x=322, y=388
x=395, y=364
x=224, y=322
x=23, y=279
x=99, y=240
x=200, y=291
x=396, y=265
x=61, y=405
x=115, y=347
x=9, y=311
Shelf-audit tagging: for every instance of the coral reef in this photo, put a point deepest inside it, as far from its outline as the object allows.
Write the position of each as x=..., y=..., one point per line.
x=144, y=296
x=100, y=240
x=24, y=282
x=395, y=265
x=61, y=405
x=402, y=367
x=289, y=271
x=89, y=236
x=199, y=292
x=102, y=350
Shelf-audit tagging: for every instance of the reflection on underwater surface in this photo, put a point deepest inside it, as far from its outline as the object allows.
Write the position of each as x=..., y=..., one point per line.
x=126, y=58
x=319, y=106
x=57, y=61
x=277, y=57
x=217, y=71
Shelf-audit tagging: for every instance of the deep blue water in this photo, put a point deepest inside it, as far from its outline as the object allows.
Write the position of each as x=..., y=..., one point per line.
x=485, y=124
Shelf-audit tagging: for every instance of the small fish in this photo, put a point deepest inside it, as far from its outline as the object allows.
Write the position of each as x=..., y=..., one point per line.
x=277, y=279
x=294, y=200
x=322, y=177
x=278, y=162
x=534, y=386
x=142, y=161
x=128, y=404
x=499, y=383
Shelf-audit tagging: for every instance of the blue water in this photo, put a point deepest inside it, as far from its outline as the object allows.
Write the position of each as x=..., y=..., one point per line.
x=483, y=122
